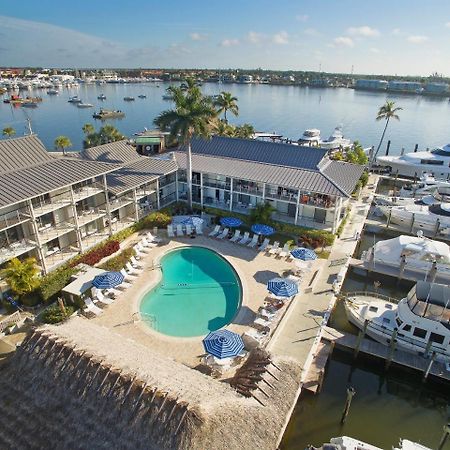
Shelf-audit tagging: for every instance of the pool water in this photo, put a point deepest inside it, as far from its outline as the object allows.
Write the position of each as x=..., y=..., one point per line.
x=199, y=292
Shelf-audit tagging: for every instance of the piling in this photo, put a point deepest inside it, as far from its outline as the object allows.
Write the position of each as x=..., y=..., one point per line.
x=388, y=147
x=430, y=365
x=444, y=436
x=416, y=147
x=348, y=401
x=361, y=335
x=392, y=346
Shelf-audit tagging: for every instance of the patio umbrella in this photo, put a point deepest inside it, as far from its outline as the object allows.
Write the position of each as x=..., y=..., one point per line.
x=231, y=222
x=262, y=229
x=194, y=221
x=107, y=280
x=223, y=344
x=305, y=254
x=282, y=287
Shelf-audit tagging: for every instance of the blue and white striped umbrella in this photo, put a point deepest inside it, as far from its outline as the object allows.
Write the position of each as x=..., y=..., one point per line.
x=260, y=228
x=194, y=221
x=230, y=222
x=282, y=287
x=223, y=344
x=107, y=280
x=305, y=254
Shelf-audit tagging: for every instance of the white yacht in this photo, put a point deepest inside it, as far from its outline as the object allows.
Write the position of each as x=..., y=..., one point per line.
x=425, y=256
x=427, y=185
x=84, y=105
x=348, y=443
x=310, y=137
x=336, y=140
x=422, y=319
x=435, y=162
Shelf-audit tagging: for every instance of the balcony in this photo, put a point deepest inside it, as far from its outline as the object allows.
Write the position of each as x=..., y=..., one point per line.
x=93, y=238
x=56, y=258
x=141, y=193
x=14, y=218
x=86, y=191
x=118, y=203
x=16, y=249
x=120, y=224
x=319, y=201
x=248, y=190
x=50, y=232
x=217, y=184
x=283, y=195
x=88, y=216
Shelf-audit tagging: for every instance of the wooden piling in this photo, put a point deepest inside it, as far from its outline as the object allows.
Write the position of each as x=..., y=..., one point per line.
x=348, y=401
x=444, y=436
x=430, y=364
x=361, y=335
x=392, y=346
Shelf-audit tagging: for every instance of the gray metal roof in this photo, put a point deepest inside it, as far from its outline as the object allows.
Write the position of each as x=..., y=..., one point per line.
x=138, y=173
x=30, y=182
x=287, y=155
x=343, y=174
x=22, y=152
x=120, y=152
x=306, y=180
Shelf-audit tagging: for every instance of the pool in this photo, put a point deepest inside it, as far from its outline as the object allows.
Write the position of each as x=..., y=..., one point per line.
x=199, y=292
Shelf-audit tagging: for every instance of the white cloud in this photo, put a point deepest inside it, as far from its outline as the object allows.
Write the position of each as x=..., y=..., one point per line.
x=374, y=50
x=447, y=24
x=396, y=32
x=364, y=31
x=281, y=38
x=254, y=37
x=302, y=17
x=229, y=42
x=311, y=32
x=417, y=39
x=198, y=36
x=343, y=41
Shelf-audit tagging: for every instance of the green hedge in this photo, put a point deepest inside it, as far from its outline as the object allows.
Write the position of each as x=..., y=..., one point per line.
x=52, y=283
x=117, y=262
x=156, y=219
x=54, y=314
x=343, y=223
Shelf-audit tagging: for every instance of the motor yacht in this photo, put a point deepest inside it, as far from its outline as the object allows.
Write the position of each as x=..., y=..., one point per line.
x=74, y=99
x=427, y=185
x=310, y=137
x=435, y=162
x=421, y=319
x=348, y=443
x=336, y=140
x=142, y=96
x=84, y=105
x=102, y=97
x=52, y=92
x=128, y=99
x=104, y=114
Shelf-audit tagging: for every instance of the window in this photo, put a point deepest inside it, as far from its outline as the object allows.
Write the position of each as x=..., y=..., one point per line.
x=420, y=333
x=388, y=306
x=373, y=309
x=399, y=322
x=438, y=338
x=386, y=321
x=406, y=327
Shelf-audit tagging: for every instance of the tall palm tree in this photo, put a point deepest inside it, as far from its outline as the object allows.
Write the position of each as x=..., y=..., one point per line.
x=387, y=112
x=244, y=131
x=226, y=102
x=22, y=276
x=193, y=115
x=221, y=128
x=62, y=142
x=9, y=131
x=88, y=128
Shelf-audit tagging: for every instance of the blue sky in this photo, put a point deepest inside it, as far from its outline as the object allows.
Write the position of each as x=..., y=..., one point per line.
x=390, y=37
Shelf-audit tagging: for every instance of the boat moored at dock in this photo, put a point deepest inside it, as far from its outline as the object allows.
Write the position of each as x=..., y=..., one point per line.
x=349, y=443
x=104, y=114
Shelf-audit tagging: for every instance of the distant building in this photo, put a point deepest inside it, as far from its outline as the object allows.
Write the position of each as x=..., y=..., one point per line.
x=436, y=89
x=320, y=82
x=372, y=85
x=405, y=86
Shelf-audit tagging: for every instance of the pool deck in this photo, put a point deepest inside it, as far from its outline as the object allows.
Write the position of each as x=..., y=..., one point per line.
x=254, y=269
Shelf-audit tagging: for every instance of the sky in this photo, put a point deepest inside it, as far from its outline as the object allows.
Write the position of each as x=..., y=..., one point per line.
x=374, y=37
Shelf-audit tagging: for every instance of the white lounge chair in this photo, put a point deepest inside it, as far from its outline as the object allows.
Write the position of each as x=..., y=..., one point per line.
x=236, y=236
x=123, y=285
x=198, y=229
x=141, y=248
x=215, y=232
x=91, y=307
x=188, y=229
x=275, y=248
x=138, y=253
x=170, y=232
x=132, y=270
x=223, y=234
x=266, y=315
x=253, y=242
x=180, y=230
x=285, y=251
x=101, y=298
x=245, y=238
x=264, y=245
x=152, y=238
x=261, y=323
x=147, y=244
x=127, y=276
x=135, y=263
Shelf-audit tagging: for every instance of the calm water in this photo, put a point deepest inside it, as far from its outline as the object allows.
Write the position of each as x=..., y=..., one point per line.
x=287, y=110
x=199, y=293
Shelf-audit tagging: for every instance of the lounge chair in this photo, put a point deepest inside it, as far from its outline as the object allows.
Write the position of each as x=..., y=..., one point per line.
x=152, y=238
x=285, y=251
x=180, y=230
x=245, y=238
x=135, y=263
x=132, y=270
x=223, y=234
x=127, y=276
x=253, y=242
x=138, y=253
x=198, y=229
x=266, y=314
x=237, y=236
x=264, y=245
x=261, y=324
x=147, y=244
x=141, y=248
x=275, y=248
x=102, y=299
x=188, y=230
x=170, y=232
x=124, y=284
x=91, y=307
x=215, y=232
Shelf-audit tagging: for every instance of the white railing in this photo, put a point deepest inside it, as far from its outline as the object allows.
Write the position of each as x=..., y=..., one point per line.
x=13, y=318
x=371, y=294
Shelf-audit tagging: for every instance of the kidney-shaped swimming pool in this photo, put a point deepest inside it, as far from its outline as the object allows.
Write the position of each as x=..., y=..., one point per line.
x=199, y=292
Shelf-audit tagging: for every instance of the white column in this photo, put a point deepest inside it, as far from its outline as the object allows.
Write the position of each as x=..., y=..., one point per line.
x=37, y=240
x=231, y=194
x=201, y=188
x=136, y=208
x=297, y=208
x=158, y=202
x=337, y=210
x=176, y=185
x=264, y=193
x=77, y=224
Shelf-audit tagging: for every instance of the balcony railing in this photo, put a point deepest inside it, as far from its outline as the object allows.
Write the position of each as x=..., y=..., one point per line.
x=248, y=190
x=216, y=184
x=48, y=206
x=141, y=193
x=51, y=232
x=13, y=218
x=59, y=257
x=118, y=203
x=15, y=249
x=87, y=191
x=286, y=196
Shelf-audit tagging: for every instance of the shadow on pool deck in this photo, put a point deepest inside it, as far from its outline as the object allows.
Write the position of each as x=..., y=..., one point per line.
x=245, y=316
x=263, y=276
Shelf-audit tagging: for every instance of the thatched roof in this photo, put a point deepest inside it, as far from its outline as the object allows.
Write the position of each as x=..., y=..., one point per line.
x=80, y=385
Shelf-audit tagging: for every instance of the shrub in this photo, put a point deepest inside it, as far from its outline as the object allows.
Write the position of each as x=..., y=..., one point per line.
x=125, y=233
x=344, y=221
x=156, y=219
x=52, y=283
x=54, y=314
x=97, y=254
x=322, y=236
x=364, y=178
x=118, y=262
x=31, y=299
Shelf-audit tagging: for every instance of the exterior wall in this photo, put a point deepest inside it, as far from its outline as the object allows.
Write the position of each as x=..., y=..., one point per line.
x=379, y=85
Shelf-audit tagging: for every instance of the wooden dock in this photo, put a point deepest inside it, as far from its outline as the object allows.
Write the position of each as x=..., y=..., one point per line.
x=375, y=349
x=316, y=372
x=408, y=273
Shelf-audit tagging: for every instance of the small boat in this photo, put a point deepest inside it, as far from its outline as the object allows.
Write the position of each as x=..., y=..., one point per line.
x=14, y=99
x=52, y=92
x=142, y=96
x=421, y=320
x=85, y=105
x=108, y=114
x=74, y=99
x=102, y=97
x=128, y=99
x=427, y=185
x=310, y=137
x=336, y=140
x=348, y=443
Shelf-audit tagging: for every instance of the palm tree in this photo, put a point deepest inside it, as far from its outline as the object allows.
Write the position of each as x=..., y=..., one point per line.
x=387, y=112
x=245, y=131
x=22, y=276
x=262, y=213
x=62, y=142
x=226, y=102
x=193, y=115
x=221, y=128
x=9, y=131
x=88, y=128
